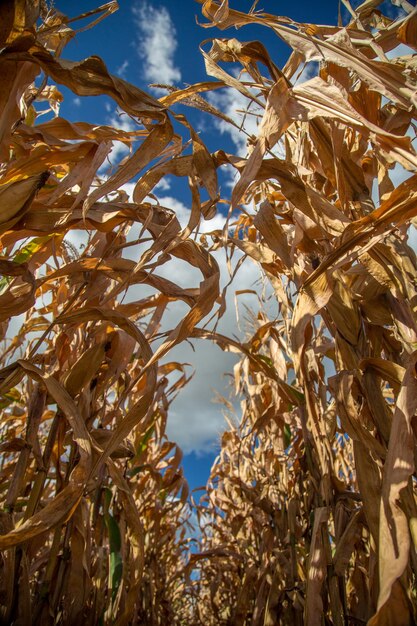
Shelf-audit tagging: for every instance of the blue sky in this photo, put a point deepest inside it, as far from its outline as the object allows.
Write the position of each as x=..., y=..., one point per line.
x=158, y=41
x=121, y=38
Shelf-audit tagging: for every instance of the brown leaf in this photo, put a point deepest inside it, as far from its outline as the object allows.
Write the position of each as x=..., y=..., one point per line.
x=394, y=533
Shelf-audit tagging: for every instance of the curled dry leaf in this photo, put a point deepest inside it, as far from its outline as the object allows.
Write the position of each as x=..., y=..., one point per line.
x=309, y=512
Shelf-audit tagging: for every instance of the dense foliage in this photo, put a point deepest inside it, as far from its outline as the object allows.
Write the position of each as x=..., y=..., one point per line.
x=310, y=512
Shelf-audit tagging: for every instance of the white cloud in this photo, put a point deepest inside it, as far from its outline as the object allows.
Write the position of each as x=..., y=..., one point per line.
x=183, y=212
x=398, y=175
x=234, y=105
x=400, y=51
x=195, y=420
x=121, y=71
x=129, y=188
x=247, y=116
x=120, y=120
x=163, y=185
x=157, y=43
x=306, y=71
x=118, y=151
x=76, y=101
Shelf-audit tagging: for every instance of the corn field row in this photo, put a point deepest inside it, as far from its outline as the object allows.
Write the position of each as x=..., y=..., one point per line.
x=310, y=512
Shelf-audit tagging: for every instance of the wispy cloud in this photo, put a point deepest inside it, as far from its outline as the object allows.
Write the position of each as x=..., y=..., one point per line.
x=157, y=43
x=232, y=103
x=118, y=119
x=237, y=107
x=305, y=72
x=121, y=120
x=246, y=115
x=121, y=71
x=196, y=421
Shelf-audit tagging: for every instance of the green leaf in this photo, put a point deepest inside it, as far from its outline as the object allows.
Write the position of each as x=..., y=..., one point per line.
x=135, y=470
x=13, y=395
x=116, y=573
x=266, y=360
x=31, y=248
x=287, y=436
x=114, y=533
x=144, y=442
x=24, y=254
x=115, y=541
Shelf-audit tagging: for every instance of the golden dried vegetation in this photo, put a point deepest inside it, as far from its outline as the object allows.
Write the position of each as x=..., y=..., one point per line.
x=310, y=513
